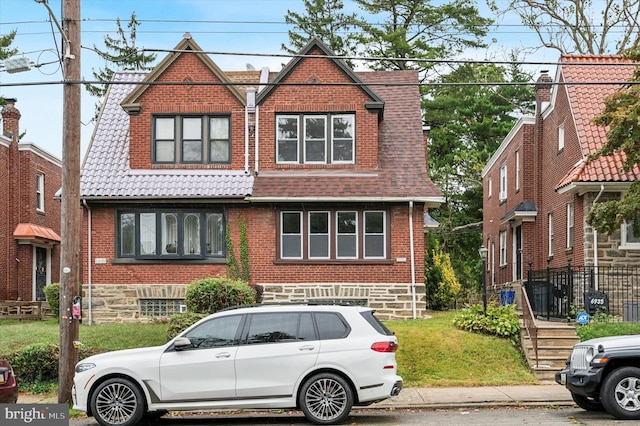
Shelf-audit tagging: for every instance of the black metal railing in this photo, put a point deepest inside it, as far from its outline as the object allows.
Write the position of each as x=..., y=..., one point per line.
x=612, y=292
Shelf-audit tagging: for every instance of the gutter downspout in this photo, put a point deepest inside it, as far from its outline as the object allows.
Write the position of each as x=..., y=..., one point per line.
x=595, y=240
x=246, y=140
x=256, y=138
x=89, y=254
x=413, y=261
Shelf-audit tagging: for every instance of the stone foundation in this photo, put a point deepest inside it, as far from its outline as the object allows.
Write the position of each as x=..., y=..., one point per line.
x=111, y=303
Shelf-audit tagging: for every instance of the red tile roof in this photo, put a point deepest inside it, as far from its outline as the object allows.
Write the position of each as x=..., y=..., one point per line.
x=586, y=99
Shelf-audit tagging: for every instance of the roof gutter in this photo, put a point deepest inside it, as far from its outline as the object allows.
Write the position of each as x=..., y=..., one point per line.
x=429, y=201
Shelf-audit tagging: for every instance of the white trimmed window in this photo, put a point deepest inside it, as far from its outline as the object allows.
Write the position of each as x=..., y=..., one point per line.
x=630, y=240
x=551, y=233
x=517, y=170
x=503, y=182
x=561, y=137
x=570, y=225
x=503, y=248
x=40, y=192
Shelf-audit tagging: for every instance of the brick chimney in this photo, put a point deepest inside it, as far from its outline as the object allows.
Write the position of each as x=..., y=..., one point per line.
x=11, y=120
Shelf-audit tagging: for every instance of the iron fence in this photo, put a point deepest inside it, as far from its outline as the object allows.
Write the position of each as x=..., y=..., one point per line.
x=613, y=292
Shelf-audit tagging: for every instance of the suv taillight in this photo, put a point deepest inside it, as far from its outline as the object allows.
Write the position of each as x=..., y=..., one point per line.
x=385, y=346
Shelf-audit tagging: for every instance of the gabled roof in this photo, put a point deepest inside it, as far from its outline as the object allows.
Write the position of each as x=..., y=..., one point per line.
x=106, y=173
x=401, y=174
x=586, y=102
x=129, y=103
x=315, y=43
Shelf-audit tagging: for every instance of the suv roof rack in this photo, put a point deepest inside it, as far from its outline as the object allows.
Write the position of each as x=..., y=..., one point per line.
x=307, y=303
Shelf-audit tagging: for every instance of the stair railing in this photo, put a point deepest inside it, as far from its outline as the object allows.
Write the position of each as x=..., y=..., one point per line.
x=530, y=323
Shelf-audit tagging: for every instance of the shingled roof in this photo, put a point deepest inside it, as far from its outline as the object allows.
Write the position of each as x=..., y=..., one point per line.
x=106, y=173
x=586, y=102
x=402, y=173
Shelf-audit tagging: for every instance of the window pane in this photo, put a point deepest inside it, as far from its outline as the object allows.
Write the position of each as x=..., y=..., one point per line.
x=219, y=151
x=192, y=128
x=192, y=151
x=347, y=240
x=147, y=233
x=191, y=233
x=287, y=139
x=342, y=138
x=319, y=234
x=330, y=326
x=165, y=128
x=291, y=238
x=315, y=139
x=165, y=151
x=215, y=234
x=169, y=229
x=631, y=237
x=128, y=234
x=374, y=238
x=343, y=151
x=219, y=128
x=343, y=127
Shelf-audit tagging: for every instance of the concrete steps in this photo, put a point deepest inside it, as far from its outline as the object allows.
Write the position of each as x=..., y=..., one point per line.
x=555, y=343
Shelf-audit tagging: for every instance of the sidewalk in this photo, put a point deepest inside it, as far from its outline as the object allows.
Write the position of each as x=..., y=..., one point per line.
x=485, y=396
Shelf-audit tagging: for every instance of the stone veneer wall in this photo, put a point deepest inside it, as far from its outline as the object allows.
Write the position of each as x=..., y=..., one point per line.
x=111, y=303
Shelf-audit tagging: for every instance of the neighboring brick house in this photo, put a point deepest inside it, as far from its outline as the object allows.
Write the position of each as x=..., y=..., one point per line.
x=540, y=184
x=325, y=166
x=30, y=219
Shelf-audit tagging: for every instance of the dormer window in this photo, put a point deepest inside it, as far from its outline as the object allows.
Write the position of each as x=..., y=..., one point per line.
x=191, y=139
x=315, y=139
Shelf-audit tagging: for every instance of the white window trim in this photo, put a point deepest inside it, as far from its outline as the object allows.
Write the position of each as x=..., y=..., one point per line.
x=503, y=248
x=561, y=137
x=352, y=117
x=517, y=170
x=356, y=235
x=384, y=234
x=490, y=187
x=570, y=225
x=328, y=234
x=503, y=183
x=624, y=245
x=282, y=234
x=551, y=235
x=40, y=192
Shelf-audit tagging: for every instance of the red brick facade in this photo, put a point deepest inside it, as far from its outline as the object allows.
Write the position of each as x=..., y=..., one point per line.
x=22, y=163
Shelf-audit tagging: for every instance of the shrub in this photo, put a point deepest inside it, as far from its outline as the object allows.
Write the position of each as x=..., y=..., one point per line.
x=180, y=322
x=441, y=284
x=501, y=321
x=210, y=295
x=37, y=362
x=52, y=293
x=593, y=330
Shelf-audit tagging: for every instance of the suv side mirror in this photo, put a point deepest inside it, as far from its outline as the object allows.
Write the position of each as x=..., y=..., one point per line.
x=181, y=343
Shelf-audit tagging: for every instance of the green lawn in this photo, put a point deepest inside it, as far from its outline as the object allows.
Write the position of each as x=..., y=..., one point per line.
x=432, y=352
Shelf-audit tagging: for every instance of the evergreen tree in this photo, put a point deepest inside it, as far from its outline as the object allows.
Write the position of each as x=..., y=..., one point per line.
x=325, y=20
x=121, y=52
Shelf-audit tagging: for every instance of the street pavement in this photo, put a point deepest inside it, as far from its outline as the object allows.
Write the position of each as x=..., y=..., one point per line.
x=433, y=398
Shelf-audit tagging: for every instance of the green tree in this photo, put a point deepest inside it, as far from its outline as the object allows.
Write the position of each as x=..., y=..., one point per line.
x=414, y=30
x=441, y=284
x=579, y=26
x=121, y=52
x=469, y=118
x=6, y=51
x=621, y=115
x=323, y=19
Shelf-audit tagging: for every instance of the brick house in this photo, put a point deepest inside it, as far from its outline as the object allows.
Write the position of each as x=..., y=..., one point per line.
x=324, y=166
x=30, y=219
x=539, y=185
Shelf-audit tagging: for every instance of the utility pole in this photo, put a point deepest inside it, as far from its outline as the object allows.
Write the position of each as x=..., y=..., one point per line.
x=70, y=260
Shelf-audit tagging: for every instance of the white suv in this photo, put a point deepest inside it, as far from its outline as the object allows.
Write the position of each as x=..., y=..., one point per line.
x=322, y=359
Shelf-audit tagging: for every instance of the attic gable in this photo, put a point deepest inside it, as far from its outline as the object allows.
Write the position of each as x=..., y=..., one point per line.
x=131, y=103
x=314, y=45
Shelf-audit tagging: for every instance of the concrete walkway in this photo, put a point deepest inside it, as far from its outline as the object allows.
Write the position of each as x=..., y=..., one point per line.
x=485, y=396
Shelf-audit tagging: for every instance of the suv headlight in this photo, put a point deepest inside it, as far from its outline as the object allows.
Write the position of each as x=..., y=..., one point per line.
x=84, y=367
x=589, y=355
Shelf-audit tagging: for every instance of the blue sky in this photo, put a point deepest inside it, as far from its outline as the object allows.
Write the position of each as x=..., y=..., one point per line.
x=248, y=26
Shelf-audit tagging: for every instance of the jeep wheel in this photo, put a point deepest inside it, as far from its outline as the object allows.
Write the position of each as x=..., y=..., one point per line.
x=587, y=403
x=326, y=399
x=620, y=393
x=117, y=401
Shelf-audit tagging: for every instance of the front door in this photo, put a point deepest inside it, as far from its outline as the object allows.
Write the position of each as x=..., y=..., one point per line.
x=40, y=273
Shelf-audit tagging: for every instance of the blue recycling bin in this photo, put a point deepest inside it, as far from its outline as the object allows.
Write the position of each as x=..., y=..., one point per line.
x=507, y=297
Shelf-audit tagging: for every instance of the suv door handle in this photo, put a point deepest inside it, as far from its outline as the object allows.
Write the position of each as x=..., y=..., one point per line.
x=306, y=348
x=223, y=355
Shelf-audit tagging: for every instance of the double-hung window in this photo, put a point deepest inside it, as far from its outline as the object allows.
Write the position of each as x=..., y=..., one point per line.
x=315, y=139
x=333, y=234
x=171, y=234
x=630, y=238
x=40, y=192
x=196, y=139
x=503, y=183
